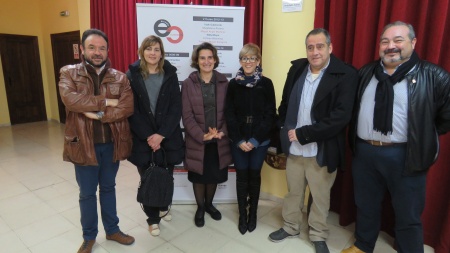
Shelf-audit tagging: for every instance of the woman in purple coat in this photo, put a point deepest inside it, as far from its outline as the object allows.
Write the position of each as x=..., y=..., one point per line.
x=207, y=147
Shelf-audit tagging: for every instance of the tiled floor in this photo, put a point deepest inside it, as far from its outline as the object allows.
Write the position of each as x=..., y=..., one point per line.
x=39, y=208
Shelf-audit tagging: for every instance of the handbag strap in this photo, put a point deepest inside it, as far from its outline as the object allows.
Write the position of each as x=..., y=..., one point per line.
x=152, y=162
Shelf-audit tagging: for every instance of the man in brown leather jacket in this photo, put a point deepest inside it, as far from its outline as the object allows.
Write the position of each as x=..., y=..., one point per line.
x=98, y=101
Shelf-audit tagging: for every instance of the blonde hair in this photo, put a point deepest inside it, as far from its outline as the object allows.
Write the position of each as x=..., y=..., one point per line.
x=250, y=49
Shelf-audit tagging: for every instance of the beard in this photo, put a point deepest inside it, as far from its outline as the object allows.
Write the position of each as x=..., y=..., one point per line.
x=93, y=64
x=400, y=57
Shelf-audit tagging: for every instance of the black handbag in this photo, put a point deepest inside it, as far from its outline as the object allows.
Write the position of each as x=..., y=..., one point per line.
x=156, y=186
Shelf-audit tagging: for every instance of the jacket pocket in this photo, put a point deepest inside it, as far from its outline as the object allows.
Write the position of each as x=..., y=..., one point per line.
x=115, y=89
x=125, y=144
x=73, y=150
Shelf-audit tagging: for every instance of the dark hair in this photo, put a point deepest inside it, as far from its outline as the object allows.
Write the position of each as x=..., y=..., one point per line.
x=203, y=46
x=319, y=31
x=147, y=42
x=411, y=33
x=90, y=32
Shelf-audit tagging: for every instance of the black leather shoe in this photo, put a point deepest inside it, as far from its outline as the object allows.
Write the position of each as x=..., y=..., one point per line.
x=199, y=218
x=321, y=247
x=280, y=235
x=215, y=214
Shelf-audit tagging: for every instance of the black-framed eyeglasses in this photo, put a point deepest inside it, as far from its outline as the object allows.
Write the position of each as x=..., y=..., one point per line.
x=248, y=59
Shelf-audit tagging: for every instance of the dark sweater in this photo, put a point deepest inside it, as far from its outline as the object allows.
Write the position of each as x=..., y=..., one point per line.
x=242, y=103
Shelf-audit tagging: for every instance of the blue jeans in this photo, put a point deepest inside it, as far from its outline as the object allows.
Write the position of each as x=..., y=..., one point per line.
x=375, y=170
x=252, y=160
x=104, y=176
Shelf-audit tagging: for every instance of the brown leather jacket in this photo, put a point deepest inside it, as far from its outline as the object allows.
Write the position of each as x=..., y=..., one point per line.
x=76, y=88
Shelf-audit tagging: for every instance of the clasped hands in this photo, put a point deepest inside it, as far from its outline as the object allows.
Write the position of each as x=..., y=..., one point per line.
x=246, y=146
x=213, y=133
x=154, y=141
x=111, y=102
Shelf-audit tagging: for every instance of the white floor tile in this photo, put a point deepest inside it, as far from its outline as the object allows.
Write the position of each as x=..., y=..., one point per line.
x=43, y=230
x=56, y=190
x=73, y=216
x=64, y=202
x=4, y=228
x=18, y=203
x=296, y=245
x=42, y=181
x=236, y=247
x=11, y=242
x=12, y=189
x=69, y=241
x=200, y=240
x=273, y=218
x=125, y=198
x=26, y=216
x=166, y=248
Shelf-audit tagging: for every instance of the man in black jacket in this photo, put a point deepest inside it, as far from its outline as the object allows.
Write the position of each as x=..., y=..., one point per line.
x=403, y=104
x=315, y=109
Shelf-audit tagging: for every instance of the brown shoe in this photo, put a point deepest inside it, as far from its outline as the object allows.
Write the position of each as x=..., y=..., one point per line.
x=121, y=238
x=86, y=247
x=352, y=249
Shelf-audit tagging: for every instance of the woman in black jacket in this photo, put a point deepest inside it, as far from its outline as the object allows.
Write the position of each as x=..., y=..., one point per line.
x=155, y=124
x=250, y=113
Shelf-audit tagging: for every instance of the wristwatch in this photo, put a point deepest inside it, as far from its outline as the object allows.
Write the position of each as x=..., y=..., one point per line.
x=100, y=115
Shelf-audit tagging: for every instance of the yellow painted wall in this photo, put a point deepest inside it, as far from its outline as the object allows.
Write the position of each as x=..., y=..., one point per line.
x=52, y=23
x=84, y=14
x=283, y=41
x=41, y=18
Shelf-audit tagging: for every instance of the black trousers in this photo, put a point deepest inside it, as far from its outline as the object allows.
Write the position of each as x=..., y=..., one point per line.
x=375, y=170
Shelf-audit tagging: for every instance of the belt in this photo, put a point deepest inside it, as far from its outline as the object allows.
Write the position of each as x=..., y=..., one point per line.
x=380, y=143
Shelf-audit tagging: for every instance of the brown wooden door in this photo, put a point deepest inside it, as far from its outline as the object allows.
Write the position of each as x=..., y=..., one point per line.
x=66, y=50
x=23, y=78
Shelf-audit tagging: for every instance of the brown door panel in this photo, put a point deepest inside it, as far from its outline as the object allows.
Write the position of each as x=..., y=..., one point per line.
x=23, y=78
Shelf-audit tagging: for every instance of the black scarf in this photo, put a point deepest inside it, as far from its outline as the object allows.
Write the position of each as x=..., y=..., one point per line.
x=384, y=95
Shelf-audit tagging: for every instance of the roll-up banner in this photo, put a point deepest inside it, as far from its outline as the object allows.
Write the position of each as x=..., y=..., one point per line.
x=181, y=28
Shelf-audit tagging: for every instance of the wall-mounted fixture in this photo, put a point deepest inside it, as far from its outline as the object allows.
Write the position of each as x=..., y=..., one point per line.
x=64, y=13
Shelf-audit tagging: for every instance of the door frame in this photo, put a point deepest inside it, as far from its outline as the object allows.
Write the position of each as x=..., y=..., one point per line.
x=56, y=67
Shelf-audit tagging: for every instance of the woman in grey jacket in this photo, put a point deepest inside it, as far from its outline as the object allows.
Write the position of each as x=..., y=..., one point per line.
x=207, y=147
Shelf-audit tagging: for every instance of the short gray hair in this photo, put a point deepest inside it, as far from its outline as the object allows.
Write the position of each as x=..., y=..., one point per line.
x=411, y=33
x=319, y=31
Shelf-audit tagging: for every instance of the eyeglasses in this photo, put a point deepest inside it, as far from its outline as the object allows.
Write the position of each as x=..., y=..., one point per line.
x=248, y=59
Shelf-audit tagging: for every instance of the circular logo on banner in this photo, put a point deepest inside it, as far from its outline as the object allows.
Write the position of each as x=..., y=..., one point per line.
x=163, y=28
